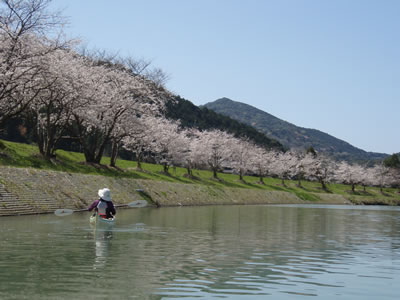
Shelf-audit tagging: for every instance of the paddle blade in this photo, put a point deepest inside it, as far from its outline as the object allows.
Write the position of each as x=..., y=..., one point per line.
x=138, y=203
x=62, y=212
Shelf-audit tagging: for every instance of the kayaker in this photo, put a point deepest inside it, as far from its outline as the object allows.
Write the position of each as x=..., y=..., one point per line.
x=103, y=206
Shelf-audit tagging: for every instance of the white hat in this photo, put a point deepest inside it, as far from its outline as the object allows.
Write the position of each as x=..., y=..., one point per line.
x=105, y=194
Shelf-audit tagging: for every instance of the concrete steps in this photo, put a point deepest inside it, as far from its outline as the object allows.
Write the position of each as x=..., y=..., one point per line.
x=12, y=205
x=32, y=191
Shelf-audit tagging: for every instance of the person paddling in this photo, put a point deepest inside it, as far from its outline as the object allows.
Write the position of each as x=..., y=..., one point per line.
x=104, y=206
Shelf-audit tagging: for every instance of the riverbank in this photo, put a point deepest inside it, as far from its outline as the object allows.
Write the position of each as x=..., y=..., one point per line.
x=30, y=184
x=33, y=191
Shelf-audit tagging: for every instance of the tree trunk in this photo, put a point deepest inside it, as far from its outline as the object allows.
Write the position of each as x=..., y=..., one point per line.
x=40, y=144
x=353, y=187
x=100, y=152
x=189, y=171
x=89, y=155
x=323, y=184
x=139, y=164
x=165, y=165
x=139, y=158
x=114, y=153
x=93, y=142
x=39, y=133
x=87, y=142
x=215, y=173
x=48, y=149
x=189, y=168
x=262, y=179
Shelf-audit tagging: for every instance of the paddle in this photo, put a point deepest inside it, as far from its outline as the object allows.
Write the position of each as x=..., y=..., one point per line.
x=62, y=212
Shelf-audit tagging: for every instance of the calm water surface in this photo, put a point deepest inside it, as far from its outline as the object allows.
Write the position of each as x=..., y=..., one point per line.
x=231, y=252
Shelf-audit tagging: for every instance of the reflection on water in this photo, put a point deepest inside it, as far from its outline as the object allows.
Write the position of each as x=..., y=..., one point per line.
x=235, y=252
x=103, y=242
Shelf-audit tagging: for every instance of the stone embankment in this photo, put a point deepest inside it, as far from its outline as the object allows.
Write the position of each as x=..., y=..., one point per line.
x=33, y=191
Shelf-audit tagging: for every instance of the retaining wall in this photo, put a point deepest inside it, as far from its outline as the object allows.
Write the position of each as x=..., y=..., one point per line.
x=33, y=191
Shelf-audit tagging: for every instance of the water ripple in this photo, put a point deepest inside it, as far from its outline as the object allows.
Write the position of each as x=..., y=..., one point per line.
x=205, y=253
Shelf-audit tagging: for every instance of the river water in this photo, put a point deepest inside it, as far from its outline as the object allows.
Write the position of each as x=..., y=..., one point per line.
x=214, y=252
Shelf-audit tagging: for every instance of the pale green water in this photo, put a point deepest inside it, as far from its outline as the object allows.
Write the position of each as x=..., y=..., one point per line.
x=232, y=252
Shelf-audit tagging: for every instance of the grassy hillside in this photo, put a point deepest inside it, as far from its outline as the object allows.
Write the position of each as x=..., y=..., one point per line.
x=291, y=135
x=22, y=155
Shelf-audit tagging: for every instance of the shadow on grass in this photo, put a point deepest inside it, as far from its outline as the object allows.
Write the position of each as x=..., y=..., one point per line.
x=278, y=188
x=366, y=193
x=64, y=164
x=232, y=184
x=385, y=194
x=160, y=175
x=216, y=182
x=7, y=160
x=357, y=193
x=322, y=190
x=177, y=178
x=304, y=188
x=256, y=185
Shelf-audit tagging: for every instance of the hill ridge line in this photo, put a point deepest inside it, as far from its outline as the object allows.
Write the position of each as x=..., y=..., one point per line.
x=289, y=134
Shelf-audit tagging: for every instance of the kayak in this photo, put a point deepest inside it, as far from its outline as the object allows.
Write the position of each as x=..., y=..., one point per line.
x=94, y=219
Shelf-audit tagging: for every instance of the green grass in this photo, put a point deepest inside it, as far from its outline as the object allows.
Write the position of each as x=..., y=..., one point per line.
x=22, y=155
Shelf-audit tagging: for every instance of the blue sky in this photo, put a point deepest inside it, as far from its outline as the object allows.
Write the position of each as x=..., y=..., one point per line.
x=330, y=65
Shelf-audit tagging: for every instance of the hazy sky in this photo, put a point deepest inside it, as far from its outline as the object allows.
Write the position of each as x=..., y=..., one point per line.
x=329, y=65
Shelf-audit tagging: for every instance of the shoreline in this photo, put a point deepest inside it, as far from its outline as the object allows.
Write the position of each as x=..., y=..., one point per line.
x=28, y=191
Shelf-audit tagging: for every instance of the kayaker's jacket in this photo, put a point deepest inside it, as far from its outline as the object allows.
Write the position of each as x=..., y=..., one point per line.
x=104, y=208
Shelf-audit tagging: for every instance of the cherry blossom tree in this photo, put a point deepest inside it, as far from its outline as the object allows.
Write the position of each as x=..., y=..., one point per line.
x=167, y=144
x=53, y=106
x=261, y=162
x=298, y=169
x=93, y=118
x=367, y=178
x=150, y=103
x=186, y=150
x=241, y=156
x=144, y=68
x=152, y=134
x=215, y=145
x=320, y=168
x=396, y=178
x=349, y=174
x=139, y=139
x=284, y=164
x=110, y=94
x=23, y=47
x=381, y=174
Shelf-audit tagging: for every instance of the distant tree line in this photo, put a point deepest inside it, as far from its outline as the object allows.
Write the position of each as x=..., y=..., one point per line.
x=392, y=161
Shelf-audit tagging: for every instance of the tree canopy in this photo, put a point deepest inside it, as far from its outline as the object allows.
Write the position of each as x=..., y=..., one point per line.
x=392, y=161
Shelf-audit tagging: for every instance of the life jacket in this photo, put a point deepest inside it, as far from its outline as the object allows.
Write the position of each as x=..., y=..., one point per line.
x=102, y=208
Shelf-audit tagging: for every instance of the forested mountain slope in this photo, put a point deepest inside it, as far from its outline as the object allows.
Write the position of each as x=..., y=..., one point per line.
x=288, y=134
x=191, y=115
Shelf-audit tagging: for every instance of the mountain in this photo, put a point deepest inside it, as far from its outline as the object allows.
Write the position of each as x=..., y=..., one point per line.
x=290, y=135
x=202, y=118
